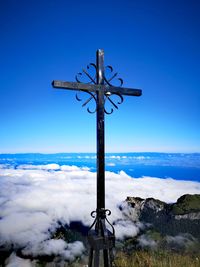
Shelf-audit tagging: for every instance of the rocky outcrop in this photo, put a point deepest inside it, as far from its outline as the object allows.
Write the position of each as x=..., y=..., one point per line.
x=187, y=204
x=168, y=219
x=189, y=216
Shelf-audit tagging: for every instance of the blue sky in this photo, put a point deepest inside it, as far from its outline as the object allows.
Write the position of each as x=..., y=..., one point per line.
x=154, y=45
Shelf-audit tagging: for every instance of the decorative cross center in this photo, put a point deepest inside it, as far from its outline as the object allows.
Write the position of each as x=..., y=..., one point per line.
x=100, y=88
x=92, y=85
x=106, y=88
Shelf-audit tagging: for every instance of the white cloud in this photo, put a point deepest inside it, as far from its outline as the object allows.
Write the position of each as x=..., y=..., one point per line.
x=73, y=168
x=49, y=167
x=126, y=228
x=40, y=167
x=114, y=157
x=14, y=261
x=111, y=164
x=33, y=200
x=147, y=242
x=183, y=240
x=57, y=247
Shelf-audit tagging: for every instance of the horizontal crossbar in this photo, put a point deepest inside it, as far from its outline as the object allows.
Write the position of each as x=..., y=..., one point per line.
x=96, y=87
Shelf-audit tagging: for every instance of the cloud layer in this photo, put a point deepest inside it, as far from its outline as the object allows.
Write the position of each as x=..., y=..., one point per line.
x=34, y=198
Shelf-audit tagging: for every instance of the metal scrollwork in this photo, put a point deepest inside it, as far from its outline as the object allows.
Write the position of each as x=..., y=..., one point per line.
x=101, y=214
x=108, y=97
x=85, y=73
x=92, y=79
x=92, y=96
x=113, y=75
x=88, y=75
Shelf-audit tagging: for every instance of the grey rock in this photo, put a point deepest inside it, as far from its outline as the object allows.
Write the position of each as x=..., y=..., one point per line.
x=171, y=219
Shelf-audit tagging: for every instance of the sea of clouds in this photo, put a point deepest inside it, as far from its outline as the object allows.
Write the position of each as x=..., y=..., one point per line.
x=34, y=198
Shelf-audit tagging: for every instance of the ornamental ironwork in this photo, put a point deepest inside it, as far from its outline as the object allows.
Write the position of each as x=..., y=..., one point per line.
x=93, y=80
x=97, y=82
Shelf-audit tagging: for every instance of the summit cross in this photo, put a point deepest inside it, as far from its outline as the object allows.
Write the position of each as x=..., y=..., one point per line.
x=100, y=89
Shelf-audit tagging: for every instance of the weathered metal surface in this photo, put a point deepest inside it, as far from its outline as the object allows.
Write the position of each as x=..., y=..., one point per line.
x=100, y=133
x=100, y=89
x=99, y=242
x=96, y=88
x=101, y=239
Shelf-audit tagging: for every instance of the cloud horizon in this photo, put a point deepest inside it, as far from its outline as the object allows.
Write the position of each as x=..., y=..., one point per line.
x=33, y=199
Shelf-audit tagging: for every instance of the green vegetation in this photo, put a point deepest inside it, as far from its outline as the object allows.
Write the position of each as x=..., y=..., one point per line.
x=156, y=259
x=186, y=204
x=156, y=236
x=143, y=258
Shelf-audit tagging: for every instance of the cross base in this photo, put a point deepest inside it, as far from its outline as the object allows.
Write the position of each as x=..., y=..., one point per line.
x=101, y=241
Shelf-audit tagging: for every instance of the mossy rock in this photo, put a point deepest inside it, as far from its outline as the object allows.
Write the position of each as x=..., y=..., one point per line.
x=156, y=236
x=186, y=204
x=67, y=234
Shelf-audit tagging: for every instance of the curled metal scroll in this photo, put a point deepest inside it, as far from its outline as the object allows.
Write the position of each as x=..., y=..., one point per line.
x=92, y=96
x=112, y=76
x=87, y=74
x=99, y=215
x=92, y=79
x=108, y=97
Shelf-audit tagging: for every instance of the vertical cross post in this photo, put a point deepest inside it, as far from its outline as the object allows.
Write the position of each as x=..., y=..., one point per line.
x=100, y=239
x=100, y=133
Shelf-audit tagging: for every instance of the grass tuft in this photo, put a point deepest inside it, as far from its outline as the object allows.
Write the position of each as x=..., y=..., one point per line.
x=156, y=259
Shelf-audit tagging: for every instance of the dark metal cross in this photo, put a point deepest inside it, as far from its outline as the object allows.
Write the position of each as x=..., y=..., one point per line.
x=100, y=89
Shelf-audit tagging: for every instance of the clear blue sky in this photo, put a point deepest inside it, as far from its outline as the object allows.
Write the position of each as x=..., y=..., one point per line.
x=153, y=44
